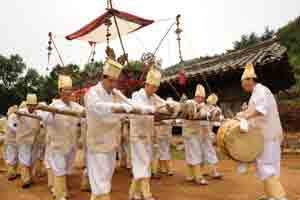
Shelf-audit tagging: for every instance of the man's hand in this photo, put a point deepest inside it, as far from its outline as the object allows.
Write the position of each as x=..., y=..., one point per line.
x=128, y=108
x=149, y=109
x=117, y=109
x=241, y=115
x=244, y=126
x=170, y=107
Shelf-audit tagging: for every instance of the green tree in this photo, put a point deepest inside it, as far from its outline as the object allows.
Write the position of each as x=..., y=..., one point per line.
x=246, y=41
x=268, y=34
x=32, y=82
x=11, y=69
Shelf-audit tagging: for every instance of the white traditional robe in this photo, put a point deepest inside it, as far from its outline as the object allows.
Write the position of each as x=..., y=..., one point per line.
x=27, y=131
x=263, y=101
x=141, y=132
x=103, y=138
x=164, y=137
x=63, y=133
x=11, y=150
x=208, y=149
x=40, y=145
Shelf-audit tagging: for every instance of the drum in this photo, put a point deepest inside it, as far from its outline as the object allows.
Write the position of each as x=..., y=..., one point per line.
x=243, y=147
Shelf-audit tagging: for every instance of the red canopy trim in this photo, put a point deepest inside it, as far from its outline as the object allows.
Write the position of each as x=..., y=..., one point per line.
x=108, y=14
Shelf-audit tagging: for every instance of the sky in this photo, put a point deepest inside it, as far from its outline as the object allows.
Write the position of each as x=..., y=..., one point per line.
x=210, y=27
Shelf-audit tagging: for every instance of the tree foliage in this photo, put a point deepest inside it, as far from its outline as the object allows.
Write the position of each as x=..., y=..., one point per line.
x=248, y=40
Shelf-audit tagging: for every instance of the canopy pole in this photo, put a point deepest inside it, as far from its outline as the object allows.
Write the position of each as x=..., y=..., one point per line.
x=118, y=30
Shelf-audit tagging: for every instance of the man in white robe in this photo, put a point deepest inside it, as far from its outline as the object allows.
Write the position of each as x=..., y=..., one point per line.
x=26, y=133
x=63, y=132
x=209, y=152
x=39, y=150
x=141, y=132
x=193, y=134
x=50, y=175
x=85, y=184
x=262, y=112
x=164, y=137
x=103, y=131
x=11, y=151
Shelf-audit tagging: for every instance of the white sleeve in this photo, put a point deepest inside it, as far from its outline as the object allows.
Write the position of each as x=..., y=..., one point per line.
x=48, y=117
x=12, y=122
x=95, y=105
x=138, y=101
x=261, y=101
x=136, y=98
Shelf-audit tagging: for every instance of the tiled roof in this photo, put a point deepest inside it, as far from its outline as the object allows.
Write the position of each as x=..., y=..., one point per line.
x=260, y=54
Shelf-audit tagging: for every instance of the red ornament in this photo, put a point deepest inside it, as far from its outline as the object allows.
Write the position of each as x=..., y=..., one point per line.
x=181, y=76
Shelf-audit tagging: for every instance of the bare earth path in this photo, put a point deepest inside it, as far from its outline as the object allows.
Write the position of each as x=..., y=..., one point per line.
x=232, y=187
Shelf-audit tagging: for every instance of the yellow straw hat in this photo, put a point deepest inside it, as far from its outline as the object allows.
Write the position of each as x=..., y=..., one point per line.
x=200, y=91
x=249, y=72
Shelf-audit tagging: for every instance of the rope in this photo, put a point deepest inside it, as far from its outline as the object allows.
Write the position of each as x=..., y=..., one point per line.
x=92, y=52
x=56, y=49
x=138, y=39
x=161, y=41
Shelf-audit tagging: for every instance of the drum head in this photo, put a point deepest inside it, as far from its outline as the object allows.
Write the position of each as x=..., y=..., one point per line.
x=243, y=147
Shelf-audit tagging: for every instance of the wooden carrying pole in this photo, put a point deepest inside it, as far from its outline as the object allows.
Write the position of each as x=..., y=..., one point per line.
x=62, y=112
x=28, y=115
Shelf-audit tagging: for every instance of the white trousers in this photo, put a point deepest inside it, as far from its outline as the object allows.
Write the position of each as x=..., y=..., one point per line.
x=268, y=162
x=208, y=149
x=101, y=168
x=193, y=150
x=38, y=152
x=62, y=163
x=164, y=150
x=46, y=159
x=141, y=157
x=11, y=154
x=25, y=154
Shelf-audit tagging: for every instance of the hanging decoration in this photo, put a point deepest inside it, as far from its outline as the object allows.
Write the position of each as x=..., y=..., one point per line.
x=49, y=48
x=181, y=73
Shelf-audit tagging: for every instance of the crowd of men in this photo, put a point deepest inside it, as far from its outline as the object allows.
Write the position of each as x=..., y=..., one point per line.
x=51, y=140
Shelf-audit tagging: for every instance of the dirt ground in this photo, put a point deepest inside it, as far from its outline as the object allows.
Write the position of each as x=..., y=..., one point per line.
x=232, y=187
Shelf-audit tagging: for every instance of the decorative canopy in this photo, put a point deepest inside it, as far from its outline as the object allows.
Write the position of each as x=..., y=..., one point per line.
x=96, y=31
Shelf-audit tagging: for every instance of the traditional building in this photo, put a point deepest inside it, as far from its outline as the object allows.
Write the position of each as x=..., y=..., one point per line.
x=222, y=74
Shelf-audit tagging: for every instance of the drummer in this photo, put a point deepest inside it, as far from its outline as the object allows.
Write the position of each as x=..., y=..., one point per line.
x=193, y=143
x=262, y=112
